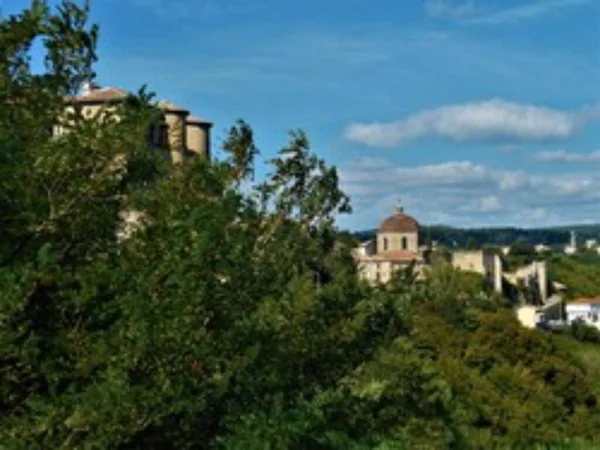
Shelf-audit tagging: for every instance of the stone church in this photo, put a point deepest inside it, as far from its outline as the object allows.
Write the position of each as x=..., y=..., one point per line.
x=396, y=246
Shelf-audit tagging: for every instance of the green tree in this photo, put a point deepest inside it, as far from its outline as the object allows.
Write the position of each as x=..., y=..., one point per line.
x=233, y=317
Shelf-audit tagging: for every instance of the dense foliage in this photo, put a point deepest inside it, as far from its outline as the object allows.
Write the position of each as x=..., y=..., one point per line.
x=230, y=318
x=579, y=273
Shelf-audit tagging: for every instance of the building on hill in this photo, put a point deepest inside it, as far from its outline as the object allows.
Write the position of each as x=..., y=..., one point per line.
x=542, y=248
x=485, y=263
x=396, y=246
x=584, y=309
x=181, y=133
x=571, y=247
x=534, y=276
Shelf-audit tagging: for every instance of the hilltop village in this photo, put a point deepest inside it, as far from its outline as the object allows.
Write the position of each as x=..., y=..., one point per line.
x=395, y=246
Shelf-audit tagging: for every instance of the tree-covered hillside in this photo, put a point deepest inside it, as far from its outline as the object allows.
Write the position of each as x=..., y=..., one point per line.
x=232, y=317
x=579, y=273
x=464, y=237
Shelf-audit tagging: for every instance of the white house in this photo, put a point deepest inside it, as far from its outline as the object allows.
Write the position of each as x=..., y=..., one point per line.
x=584, y=309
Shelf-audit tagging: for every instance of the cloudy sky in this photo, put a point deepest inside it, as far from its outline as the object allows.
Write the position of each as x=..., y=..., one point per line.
x=473, y=112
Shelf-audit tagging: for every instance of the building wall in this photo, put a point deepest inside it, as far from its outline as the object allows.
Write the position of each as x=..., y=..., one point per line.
x=365, y=248
x=536, y=271
x=528, y=316
x=177, y=136
x=198, y=139
x=382, y=271
x=487, y=264
x=394, y=241
x=493, y=268
x=88, y=111
x=471, y=261
x=589, y=313
x=176, y=131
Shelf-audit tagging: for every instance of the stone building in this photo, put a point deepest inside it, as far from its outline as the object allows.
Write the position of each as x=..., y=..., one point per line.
x=181, y=133
x=395, y=246
x=487, y=264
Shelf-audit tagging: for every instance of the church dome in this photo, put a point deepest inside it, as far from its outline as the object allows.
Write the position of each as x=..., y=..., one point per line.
x=399, y=223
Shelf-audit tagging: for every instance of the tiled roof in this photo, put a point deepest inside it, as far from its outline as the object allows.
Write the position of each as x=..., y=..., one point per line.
x=171, y=107
x=100, y=95
x=197, y=121
x=399, y=223
x=586, y=301
x=392, y=255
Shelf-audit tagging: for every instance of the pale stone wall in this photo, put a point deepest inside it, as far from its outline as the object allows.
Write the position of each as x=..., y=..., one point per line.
x=493, y=267
x=88, y=111
x=528, y=316
x=382, y=271
x=487, y=264
x=177, y=135
x=588, y=313
x=535, y=271
x=177, y=130
x=470, y=261
x=365, y=248
x=395, y=241
x=198, y=139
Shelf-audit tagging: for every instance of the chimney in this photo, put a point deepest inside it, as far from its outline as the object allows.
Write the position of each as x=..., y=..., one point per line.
x=88, y=87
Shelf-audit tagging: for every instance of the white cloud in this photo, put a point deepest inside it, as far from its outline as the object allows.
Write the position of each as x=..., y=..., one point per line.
x=512, y=180
x=527, y=11
x=465, y=193
x=468, y=12
x=447, y=173
x=564, y=156
x=491, y=120
x=490, y=203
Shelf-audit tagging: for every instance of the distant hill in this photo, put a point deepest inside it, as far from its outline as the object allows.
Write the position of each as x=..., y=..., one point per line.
x=461, y=237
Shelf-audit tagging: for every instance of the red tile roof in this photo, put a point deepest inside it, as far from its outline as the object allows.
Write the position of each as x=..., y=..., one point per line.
x=392, y=255
x=171, y=107
x=586, y=301
x=100, y=95
x=399, y=223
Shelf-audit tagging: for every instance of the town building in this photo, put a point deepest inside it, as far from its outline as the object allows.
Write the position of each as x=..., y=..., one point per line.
x=178, y=132
x=583, y=309
x=571, y=247
x=396, y=246
x=542, y=248
x=182, y=134
x=484, y=263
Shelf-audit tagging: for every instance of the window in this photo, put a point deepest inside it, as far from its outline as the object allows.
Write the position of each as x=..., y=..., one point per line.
x=404, y=243
x=385, y=244
x=159, y=135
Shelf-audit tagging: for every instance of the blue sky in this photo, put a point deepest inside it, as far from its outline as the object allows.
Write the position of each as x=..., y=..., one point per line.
x=473, y=112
